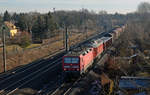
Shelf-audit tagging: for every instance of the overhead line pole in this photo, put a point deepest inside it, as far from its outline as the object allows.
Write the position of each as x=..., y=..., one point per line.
x=85, y=23
x=4, y=48
x=86, y=27
x=66, y=37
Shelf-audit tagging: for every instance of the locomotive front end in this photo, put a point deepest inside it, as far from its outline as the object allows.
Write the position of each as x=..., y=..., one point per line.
x=71, y=65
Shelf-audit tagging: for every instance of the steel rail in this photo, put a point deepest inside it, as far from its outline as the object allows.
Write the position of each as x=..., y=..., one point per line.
x=13, y=87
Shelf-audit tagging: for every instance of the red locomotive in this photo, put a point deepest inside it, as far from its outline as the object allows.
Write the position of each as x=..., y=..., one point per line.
x=80, y=59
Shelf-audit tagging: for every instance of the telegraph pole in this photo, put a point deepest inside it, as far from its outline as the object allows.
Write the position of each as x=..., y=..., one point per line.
x=4, y=48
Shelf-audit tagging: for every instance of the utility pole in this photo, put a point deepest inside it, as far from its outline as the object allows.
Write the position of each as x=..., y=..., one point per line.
x=85, y=23
x=63, y=34
x=54, y=14
x=4, y=48
x=85, y=27
x=86, y=31
x=66, y=37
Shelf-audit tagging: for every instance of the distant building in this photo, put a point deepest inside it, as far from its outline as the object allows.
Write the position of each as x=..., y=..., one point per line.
x=12, y=28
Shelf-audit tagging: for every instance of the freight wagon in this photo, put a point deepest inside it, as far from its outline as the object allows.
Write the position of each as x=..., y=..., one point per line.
x=77, y=61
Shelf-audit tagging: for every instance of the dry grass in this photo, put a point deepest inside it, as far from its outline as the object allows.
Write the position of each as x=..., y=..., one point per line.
x=11, y=48
x=143, y=74
x=33, y=45
x=22, y=57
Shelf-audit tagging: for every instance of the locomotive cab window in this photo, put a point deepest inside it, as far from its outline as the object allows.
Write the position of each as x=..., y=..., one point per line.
x=75, y=60
x=67, y=60
x=71, y=60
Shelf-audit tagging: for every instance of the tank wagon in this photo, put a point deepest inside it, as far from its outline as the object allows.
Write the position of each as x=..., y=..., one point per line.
x=77, y=61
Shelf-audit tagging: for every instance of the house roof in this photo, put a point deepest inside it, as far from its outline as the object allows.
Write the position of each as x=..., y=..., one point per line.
x=142, y=93
x=134, y=82
x=10, y=25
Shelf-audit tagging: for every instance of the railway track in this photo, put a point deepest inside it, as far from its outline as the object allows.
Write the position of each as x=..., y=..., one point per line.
x=74, y=88
x=20, y=73
x=20, y=70
x=13, y=72
x=64, y=89
x=24, y=81
x=25, y=75
x=68, y=88
x=48, y=90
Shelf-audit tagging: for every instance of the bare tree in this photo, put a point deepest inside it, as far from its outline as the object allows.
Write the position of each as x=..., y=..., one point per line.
x=144, y=7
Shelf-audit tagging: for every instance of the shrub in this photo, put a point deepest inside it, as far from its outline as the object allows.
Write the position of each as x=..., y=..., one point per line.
x=25, y=40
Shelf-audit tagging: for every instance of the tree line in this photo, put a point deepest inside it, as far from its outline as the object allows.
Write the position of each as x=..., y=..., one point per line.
x=43, y=26
x=138, y=27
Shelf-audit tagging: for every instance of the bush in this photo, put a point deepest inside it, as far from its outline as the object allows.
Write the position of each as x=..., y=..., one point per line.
x=25, y=40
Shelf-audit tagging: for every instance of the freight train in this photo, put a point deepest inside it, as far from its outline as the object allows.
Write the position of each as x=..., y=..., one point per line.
x=78, y=60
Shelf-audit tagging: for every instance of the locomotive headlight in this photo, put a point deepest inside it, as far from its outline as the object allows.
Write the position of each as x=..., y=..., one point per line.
x=75, y=66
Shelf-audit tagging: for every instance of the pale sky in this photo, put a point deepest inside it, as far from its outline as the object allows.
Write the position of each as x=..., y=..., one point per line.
x=111, y=6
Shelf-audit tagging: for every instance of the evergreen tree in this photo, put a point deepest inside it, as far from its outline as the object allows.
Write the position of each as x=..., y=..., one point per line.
x=50, y=25
x=7, y=16
x=22, y=22
x=38, y=29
